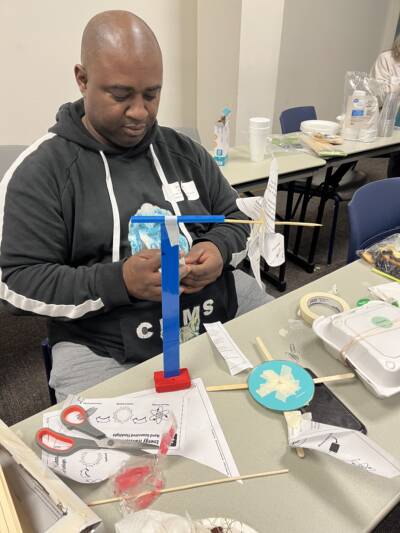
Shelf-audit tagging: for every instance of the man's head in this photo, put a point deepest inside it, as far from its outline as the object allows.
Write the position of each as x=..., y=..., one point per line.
x=120, y=77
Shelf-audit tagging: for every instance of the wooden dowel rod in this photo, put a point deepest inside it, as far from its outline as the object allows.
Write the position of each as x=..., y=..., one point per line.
x=263, y=349
x=243, y=386
x=195, y=486
x=235, y=386
x=293, y=223
x=277, y=222
x=239, y=221
x=268, y=357
x=336, y=377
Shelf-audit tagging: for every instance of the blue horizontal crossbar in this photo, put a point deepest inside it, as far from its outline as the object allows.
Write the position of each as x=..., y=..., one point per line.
x=188, y=219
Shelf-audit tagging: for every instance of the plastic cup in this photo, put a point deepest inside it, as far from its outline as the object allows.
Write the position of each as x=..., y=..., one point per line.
x=259, y=131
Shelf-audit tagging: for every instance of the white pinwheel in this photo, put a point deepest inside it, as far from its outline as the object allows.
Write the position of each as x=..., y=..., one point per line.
x=263, y=241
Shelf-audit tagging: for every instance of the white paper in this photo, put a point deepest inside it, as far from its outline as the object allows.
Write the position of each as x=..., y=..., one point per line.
x=253, y=252
x=172, y=191
x=230, y=351
x=190, y=189
x=269, y=199
x=251, y=207
x=171, y=225
x=140, y=416
x=274, y=249
x=273, y=245
x=347, y=445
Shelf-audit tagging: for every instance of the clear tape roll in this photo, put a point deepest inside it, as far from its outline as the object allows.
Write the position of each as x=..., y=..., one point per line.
x=333, y=302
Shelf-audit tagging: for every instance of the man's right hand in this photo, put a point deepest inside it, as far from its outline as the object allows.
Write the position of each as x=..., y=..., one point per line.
x=142, y=276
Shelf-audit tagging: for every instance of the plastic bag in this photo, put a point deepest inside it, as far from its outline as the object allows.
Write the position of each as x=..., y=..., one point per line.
x=385, y=255
x=388, y=114
x=361, y=107
x=140, y=480
x=290, y=142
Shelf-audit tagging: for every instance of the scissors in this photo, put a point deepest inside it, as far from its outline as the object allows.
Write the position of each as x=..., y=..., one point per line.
x=76, y=417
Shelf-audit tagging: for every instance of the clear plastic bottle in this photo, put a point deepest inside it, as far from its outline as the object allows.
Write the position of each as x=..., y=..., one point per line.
x=358, y=108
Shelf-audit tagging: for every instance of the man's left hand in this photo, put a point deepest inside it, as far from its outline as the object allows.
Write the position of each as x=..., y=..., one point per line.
x=206, y=266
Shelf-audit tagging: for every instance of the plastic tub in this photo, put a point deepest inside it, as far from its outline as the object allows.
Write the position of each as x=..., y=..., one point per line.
x=369, y=337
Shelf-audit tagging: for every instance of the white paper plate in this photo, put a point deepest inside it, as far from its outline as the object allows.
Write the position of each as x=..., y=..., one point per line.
x=319, y=126
x=230, y=525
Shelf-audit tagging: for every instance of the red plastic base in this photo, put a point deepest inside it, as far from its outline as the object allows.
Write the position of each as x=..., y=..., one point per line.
x=179, y=382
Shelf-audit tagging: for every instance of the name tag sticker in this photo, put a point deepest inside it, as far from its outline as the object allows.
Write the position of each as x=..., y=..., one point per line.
x=173, y=191
x=190, y=189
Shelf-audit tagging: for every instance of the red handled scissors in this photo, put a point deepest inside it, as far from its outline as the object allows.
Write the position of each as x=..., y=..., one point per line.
x=76, y=417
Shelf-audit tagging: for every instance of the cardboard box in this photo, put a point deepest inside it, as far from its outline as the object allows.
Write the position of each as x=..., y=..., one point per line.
x=44, y=504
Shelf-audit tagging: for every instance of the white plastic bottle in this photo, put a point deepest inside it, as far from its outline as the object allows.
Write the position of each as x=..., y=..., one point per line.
x=358, y=107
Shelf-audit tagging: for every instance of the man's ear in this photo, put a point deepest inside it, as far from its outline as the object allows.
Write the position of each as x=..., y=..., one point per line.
x=81, y=78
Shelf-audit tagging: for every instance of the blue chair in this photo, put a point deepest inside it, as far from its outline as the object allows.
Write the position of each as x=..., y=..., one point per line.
x=48, y=363
x=290, y=120
x=374, y=214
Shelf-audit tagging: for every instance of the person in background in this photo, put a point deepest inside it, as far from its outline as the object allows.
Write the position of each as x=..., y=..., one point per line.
x=387, y=69
x=65, y=205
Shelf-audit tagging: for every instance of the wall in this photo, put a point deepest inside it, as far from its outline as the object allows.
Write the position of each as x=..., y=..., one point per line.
x=321, y=40
x=260, y=36
x=255, y=56
x=40, y=43
x=218, y=42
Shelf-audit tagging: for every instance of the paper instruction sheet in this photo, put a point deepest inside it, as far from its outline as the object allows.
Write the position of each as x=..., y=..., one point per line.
x=141, y=416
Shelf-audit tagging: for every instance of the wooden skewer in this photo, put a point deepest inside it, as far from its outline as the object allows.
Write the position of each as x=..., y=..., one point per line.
x=294, y=223
x=242, y=386
x=265, y=352
x=335, y=377
x=233, y=386
x=239, y=221
x=277, y=222
x=194, y=486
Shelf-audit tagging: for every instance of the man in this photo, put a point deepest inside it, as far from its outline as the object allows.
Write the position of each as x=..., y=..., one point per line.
x=66, y=202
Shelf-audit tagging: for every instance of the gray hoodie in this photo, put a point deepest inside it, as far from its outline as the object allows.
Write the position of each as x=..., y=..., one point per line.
x=65, y=206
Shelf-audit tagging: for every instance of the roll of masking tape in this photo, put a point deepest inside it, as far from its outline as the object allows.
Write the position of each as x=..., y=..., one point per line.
x=331, y=301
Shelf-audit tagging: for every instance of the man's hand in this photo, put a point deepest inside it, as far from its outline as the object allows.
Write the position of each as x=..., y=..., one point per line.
x=142, y=277
x=205, y=262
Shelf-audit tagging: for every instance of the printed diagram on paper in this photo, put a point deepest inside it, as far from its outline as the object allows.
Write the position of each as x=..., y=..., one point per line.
x=142, y=416
x=347, y=445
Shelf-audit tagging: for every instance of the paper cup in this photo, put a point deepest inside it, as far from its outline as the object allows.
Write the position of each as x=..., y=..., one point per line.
x=259, y=130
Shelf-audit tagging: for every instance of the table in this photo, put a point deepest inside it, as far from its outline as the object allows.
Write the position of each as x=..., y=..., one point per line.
x=319, y=493
x=355, y=150
x=243, y=173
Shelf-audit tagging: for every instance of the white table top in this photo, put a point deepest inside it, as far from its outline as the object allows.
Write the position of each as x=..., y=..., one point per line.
x=319, y=493
x=354, y=147
x=239, y=169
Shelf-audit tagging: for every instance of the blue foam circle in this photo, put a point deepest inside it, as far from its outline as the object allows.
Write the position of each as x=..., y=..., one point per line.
x=281, y=385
